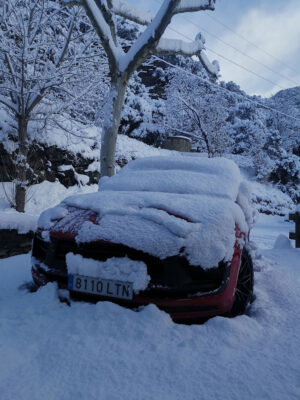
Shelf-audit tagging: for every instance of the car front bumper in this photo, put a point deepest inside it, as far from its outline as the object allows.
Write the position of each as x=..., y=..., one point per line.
x=182, y=309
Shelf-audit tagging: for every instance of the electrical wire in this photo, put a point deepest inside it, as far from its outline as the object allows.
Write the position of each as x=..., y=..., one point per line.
x=232, y=62
x=245, y=68
x=227, y=90
x=249, y=42
x=236, y=49
x=241, y=52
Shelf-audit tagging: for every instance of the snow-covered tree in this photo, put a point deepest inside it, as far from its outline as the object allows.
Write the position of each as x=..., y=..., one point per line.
x=47, y=66
x=288, y=125
x=123, y=62
x=251, y=135
x=195, y=107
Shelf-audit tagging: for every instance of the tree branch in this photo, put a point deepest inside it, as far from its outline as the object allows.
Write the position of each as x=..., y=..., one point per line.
x=104, y=26
x=212, y=68
x=146, y=44
x=193, y=6
x=8, y=104
x=66, y=44
x=177, y=46
x=197, y=121
x=125, y=10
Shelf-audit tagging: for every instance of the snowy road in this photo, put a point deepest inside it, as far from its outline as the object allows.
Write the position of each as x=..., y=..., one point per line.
x=51, y=351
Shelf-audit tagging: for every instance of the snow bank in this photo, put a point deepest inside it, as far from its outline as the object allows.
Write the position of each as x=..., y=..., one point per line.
x=23, y=223
x=267, y=227
x=129, y=149
x=269, y=199
x=88, y=144
x=12, y=219
x=48, y=194
x=176, y=205
x=282, y=242
x=85, y=143
x=121, y=269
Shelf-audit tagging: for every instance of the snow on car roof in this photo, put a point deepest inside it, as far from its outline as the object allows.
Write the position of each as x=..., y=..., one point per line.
x=185, y=174
x=165, y=210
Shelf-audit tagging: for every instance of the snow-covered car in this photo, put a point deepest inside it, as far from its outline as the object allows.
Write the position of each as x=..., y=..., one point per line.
x=172, y=231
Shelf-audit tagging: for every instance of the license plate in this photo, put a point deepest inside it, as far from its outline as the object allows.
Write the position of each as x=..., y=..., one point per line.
x=102, y=287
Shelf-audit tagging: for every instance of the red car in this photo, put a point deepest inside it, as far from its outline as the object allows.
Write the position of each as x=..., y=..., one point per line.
x=171, y=231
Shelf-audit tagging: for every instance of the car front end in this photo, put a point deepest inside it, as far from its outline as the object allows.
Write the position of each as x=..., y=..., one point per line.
x=188, y=293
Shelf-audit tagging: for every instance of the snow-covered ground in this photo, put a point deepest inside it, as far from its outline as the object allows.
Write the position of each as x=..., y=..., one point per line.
x=51, y=351
x=40, y=197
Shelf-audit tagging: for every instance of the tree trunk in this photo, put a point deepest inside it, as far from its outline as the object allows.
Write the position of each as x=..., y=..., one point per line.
x=205, y=137
x=112, y=116
x=21, y=165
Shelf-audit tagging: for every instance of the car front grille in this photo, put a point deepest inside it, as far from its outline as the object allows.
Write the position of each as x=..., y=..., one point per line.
x=171, y=276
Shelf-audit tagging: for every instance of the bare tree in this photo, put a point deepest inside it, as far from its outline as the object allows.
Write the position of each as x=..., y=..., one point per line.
x=121, y=65
x=200, y=109
x=42, y=54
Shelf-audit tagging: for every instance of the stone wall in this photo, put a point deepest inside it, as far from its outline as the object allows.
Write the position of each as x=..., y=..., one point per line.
x=13, y=243
x=44, y=164
x=179, y=143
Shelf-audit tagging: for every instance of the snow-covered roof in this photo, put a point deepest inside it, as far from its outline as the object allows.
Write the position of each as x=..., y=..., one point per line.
x=183, y=174
x=165, y=206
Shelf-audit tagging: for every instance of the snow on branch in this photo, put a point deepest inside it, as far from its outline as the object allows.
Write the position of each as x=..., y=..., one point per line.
x=194, y=5
x=148, y=40
x=125, y=10
x=132, y=13
x=211, y=67
x=177, y=46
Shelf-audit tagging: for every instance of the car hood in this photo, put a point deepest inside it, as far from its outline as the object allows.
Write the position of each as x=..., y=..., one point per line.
x=199, y=227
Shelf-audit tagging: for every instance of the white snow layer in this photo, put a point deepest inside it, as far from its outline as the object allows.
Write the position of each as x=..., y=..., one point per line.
x=23, y=223
x=123, y=8
x=216, y=177
x=177, y=45
x=47, y=217
x=117, y=268
x=165, y=206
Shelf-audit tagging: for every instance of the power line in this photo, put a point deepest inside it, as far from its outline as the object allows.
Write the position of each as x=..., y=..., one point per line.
x=232, y=62
x=226, y=90
x=248, y=41
x=241, y=52
x=245, y=68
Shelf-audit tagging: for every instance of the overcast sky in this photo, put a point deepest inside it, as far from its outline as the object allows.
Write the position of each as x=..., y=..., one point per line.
x=272, y=25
